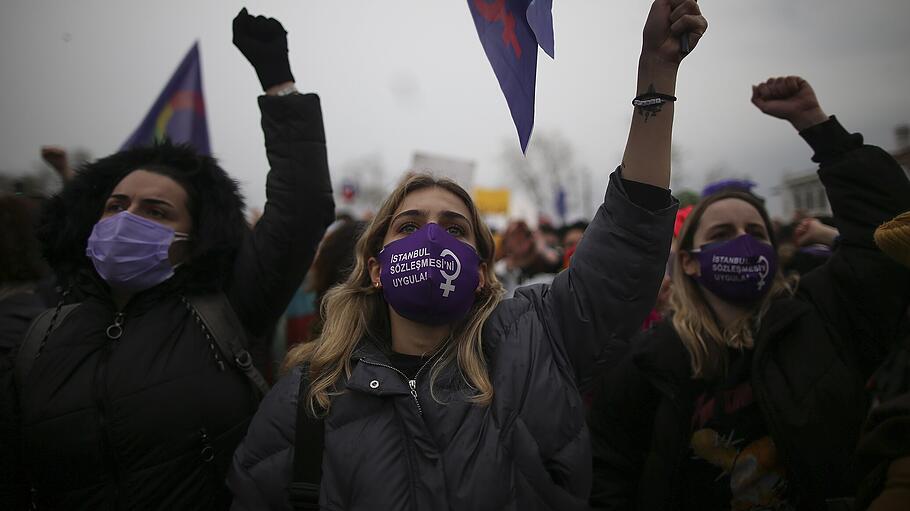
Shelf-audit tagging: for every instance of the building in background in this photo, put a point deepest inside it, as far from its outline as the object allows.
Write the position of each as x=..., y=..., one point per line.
x=803, y=193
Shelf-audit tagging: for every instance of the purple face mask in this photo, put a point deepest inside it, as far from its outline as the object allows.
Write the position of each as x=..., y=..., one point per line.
x=430, y=276
x=740, y=270
x=130, y=252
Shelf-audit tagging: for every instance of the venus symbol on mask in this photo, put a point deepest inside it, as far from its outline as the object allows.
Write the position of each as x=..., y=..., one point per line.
x=447, y=286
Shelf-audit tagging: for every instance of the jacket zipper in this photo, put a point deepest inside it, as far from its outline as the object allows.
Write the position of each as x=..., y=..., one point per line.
x=114, y=331
x=412, y=383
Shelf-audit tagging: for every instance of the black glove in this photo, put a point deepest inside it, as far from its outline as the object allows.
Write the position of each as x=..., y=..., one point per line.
x=264, y=42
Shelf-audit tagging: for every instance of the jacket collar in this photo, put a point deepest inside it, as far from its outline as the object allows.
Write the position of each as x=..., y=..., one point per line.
x=373, y=373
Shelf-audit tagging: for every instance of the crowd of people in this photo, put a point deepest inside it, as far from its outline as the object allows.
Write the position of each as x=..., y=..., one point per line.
x=158, y=350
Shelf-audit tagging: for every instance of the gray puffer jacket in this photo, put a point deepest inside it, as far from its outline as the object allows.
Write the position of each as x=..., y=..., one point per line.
x=530, y=448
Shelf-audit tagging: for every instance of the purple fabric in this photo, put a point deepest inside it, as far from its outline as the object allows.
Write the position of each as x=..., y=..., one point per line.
x=540, y=18
x=179, y=112
x=740, y=270
x=510, y=42
x=430, y=276
x=739, y=185
x=818, y=250
x=130, y=252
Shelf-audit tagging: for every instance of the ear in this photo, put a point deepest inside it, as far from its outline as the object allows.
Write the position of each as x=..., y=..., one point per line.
x=690, y=264
x=374, y=273
x=178, y=253
x=482, y=282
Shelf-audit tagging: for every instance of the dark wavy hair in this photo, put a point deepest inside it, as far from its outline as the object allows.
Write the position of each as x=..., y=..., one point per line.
x=215, y=203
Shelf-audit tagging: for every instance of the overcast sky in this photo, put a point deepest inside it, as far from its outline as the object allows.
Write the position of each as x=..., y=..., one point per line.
x=398, y=76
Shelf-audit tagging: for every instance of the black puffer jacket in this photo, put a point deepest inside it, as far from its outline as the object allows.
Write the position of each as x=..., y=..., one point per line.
x=149, y=421
x=812, y=356
x=529, y=449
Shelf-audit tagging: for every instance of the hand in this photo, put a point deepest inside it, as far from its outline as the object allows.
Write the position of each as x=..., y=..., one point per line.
x=666, y=23
x=264, y=43
x=789, y=98
x=56, y=157
x=811, y=231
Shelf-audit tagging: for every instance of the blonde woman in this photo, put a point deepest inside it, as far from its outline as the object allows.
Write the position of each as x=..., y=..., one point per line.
x=752, y=395
x=435, y=393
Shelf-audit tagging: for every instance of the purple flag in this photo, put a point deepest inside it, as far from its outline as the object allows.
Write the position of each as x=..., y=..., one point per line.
x=561, y=207
x=179, y=112
x=510, y=31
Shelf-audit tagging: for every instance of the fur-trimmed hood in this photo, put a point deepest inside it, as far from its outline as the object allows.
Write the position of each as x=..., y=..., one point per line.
x=219, y=226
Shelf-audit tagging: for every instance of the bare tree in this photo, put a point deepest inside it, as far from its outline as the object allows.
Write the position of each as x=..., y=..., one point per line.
x=547, y=167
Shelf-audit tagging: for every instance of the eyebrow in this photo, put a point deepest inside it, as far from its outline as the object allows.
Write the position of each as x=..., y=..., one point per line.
x=729, y=225
x=151, y=201
x=443, y=214
x=720, y=226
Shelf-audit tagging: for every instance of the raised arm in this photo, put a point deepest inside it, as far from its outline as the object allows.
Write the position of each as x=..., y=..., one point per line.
x=299, y=206
x=860, y=291
x=613, y=278
x=647, y=155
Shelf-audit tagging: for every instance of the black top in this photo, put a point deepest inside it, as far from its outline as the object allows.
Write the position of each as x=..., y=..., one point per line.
x=407, y=364
x=732, y=462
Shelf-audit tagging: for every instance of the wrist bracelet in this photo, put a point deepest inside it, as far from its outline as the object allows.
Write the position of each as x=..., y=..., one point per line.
x=650, y=99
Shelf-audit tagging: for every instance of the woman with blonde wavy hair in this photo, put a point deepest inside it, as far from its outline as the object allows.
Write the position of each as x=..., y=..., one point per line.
x=427, y=390
x=751, y=395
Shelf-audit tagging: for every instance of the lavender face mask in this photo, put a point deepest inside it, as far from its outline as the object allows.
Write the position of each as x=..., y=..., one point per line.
x=740, y=270
x=430, y=276
x=130, y=252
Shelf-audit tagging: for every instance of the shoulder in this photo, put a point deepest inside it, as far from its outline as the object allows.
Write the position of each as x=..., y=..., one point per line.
x=660, y=349
x=509, y=312
x=640, y=367
x=272, y=428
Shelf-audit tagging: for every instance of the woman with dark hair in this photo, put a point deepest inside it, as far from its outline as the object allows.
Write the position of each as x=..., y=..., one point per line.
x=130, y=401
x=751, y=396
x=427, y=389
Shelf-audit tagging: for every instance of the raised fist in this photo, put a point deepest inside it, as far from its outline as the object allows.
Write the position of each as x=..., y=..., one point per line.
x=56, y=157
x=264, y=43
x=811, y=231
x=789, y=98
x=666, y=24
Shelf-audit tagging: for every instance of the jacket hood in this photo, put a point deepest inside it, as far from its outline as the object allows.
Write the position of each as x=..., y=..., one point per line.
x=219, y=226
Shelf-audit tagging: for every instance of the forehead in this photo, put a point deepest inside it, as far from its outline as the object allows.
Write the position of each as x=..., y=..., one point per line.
x=730, y=211
x=143, y=183
x=433, y=200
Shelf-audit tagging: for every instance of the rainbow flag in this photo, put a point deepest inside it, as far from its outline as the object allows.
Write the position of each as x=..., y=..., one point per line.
x=179, y=112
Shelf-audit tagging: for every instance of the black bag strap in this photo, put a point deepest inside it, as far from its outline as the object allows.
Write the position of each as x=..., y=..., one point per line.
x=35, y=337
x=309, y=443
x=219, y=318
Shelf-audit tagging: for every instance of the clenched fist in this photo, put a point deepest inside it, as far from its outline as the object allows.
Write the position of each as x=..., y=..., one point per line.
x=264, y=42
x=668, y=21
x=789, y=98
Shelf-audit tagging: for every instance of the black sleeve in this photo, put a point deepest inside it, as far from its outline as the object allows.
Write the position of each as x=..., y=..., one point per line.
x=612, y=280
x=650, y=197
x=299, y=207
x=860, y=291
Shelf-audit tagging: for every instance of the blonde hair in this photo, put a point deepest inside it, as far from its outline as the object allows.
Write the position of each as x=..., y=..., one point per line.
x=693, y=319
x=355, y=310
